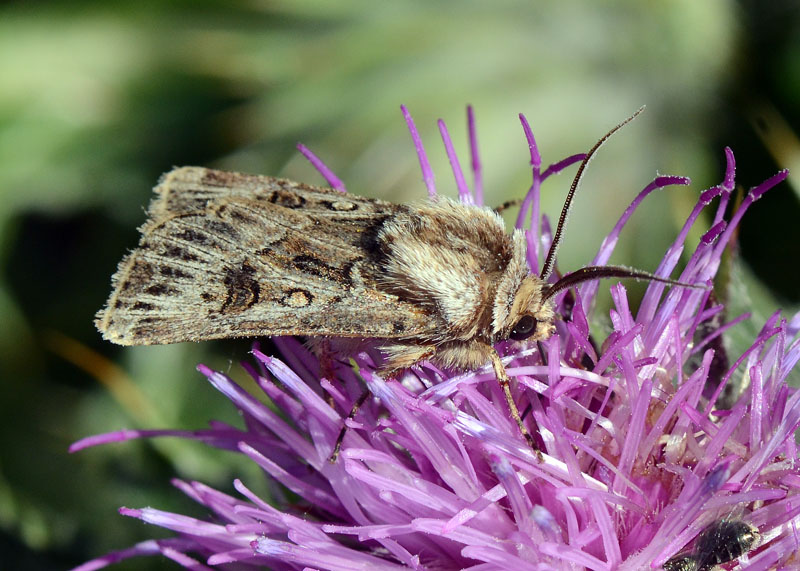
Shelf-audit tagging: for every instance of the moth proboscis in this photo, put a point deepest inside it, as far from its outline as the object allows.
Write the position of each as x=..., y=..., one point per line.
x=226, y=254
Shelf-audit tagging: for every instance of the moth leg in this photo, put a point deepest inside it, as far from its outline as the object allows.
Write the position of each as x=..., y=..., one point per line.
x=505, y=384
x=529, y=409
x=359, y=402
x=507, y=204
x=324, y=351
x=400, y=357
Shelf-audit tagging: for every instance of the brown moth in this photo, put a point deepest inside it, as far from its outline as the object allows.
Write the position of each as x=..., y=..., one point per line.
x=225, y=254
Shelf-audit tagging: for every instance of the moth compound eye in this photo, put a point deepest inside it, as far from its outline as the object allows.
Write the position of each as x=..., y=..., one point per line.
x=524, y=328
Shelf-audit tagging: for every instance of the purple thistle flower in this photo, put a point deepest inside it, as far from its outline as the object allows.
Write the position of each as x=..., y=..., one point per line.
x=433, y=473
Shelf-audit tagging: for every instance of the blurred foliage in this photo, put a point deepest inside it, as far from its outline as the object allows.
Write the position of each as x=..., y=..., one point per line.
x=99, y=98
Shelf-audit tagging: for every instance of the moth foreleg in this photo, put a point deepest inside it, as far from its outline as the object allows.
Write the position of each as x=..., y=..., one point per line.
x=505, y=384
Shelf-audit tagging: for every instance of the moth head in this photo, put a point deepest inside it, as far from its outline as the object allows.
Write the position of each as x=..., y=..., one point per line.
x=520, y=310
x=523, y=304
x=531, y=315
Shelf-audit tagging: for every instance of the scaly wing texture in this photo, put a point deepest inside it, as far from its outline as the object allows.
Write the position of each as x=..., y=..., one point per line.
x=232, y=255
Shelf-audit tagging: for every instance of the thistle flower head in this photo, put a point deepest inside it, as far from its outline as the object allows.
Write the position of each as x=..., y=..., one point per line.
x=639, y=456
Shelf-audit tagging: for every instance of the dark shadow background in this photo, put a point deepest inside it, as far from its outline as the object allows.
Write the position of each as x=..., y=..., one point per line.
x=97, y=99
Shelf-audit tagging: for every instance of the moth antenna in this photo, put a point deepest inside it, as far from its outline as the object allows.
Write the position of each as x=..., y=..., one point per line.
x=547, y=268
x=590, y=273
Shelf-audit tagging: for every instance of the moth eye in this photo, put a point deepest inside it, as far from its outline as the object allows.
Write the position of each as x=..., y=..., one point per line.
x=524, y=328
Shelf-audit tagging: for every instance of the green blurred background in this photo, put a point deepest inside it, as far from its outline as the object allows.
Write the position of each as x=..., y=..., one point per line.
x=98, y=98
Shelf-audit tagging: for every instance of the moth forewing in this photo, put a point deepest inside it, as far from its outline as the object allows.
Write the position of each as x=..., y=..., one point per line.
x=233, y=255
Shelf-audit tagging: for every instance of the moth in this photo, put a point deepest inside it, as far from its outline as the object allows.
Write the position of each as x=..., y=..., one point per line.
x=721, y=542
x=226, y=254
